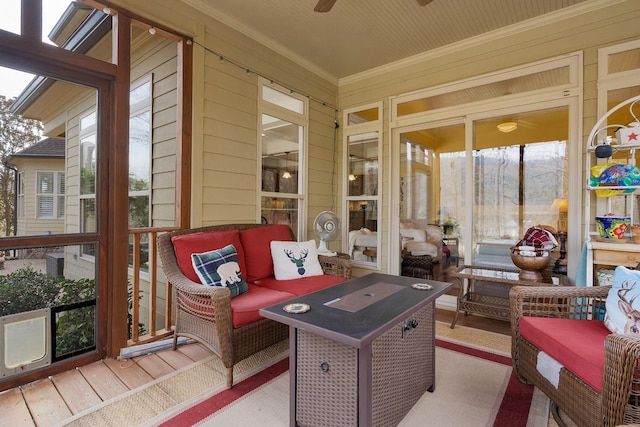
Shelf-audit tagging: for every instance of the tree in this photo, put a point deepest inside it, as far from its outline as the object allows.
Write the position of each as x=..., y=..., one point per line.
x=16, y=133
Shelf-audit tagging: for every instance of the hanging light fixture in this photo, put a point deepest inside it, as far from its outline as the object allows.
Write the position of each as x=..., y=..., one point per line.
x=286, y=174
x=352, y=177
x=507, y=127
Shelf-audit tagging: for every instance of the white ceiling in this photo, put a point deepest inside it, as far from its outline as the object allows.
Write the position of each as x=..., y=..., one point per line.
x=359, y=35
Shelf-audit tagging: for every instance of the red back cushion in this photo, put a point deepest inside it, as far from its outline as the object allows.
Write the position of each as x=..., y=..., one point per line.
x=256, y=243
x=186, y=244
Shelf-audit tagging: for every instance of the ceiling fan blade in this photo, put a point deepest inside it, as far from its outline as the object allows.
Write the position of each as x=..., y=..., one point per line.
x=324, y=5
x=424, y=2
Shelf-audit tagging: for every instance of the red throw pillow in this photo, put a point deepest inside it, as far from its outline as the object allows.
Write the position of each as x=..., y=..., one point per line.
x=186, y=244
x=257, y=249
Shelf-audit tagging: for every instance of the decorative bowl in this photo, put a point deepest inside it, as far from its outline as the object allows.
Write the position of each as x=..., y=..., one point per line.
x=530, y=266
x=613, y=227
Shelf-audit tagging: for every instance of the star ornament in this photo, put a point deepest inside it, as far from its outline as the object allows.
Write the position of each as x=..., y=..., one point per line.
x=633, y=136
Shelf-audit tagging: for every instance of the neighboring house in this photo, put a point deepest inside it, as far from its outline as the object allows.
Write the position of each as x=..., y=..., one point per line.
x=40, y=187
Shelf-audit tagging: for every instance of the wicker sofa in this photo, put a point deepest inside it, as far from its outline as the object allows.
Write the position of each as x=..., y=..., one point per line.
x=598, y=385
x=232, y=327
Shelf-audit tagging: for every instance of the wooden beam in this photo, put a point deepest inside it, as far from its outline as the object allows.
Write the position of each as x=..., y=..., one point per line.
x=31, y=20
x=115, y=201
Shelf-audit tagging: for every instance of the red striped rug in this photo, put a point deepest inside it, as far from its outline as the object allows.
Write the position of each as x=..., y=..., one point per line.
x=513, y=408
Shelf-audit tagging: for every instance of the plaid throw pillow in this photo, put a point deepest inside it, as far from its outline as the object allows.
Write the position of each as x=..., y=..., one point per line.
x=220, y=268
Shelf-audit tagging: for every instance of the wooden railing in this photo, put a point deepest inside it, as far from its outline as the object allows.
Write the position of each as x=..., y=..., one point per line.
x=154, y=331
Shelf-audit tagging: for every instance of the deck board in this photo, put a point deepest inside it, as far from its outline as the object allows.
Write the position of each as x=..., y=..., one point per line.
x=14, y=409
x=76, y=391
x=105, y=383
x=177, y=359
x=129, y=372
x=196, y=352
x=47, y=407
x=154, y=365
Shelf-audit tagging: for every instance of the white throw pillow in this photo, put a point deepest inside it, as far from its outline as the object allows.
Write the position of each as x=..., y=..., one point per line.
x=293, y=260
x=623, y=304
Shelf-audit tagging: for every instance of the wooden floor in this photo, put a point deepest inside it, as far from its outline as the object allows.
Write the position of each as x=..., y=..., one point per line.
x=52, y=400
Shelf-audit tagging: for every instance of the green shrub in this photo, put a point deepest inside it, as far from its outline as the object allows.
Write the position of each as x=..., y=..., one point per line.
x=75, y=327
x=27, y=290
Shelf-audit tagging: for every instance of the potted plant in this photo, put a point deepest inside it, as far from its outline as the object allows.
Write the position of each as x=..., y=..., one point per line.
x=449, y=225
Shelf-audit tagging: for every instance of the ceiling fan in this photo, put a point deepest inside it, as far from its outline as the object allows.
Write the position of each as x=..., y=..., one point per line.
x=326, y=5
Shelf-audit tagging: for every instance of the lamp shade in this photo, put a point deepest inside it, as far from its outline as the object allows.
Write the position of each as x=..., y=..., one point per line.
x=560, y=205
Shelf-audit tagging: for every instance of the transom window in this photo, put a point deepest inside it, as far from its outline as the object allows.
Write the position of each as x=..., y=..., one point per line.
x=282, y=142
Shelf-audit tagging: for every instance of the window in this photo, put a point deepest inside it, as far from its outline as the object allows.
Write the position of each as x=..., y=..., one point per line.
x=140, y=131
x=284, y=120
x=50, y=189
x=140, y=154
x=88, y=162
x=20, y=207
x=362, y=134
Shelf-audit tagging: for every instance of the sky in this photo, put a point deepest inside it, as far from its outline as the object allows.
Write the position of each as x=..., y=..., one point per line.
x=12, y=82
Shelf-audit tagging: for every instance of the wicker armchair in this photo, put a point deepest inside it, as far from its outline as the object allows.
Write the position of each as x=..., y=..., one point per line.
x=204, y=313
x=619, y=401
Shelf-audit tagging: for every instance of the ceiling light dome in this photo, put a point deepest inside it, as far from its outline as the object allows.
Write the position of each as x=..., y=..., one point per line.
x=507, y=127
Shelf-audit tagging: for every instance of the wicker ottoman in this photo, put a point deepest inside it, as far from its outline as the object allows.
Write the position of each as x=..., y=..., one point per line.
x=420, y=266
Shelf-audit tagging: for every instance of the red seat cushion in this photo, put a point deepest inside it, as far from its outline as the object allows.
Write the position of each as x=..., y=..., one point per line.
x=256, y=243
x=186, y=244
x=300, y=286
x=576, y=344
x=245, y=308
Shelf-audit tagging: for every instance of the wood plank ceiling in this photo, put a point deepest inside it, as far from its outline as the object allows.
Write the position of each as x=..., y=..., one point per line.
x=358, y=35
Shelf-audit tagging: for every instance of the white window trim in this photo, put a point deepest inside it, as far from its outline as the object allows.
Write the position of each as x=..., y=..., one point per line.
x=356, y=129
x=56, y=195
x=20, y=209
x=572, y=60
x=302, y=120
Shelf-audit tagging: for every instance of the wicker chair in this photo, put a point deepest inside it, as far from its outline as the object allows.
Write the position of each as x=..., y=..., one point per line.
x=204, y=313
x=619, y=401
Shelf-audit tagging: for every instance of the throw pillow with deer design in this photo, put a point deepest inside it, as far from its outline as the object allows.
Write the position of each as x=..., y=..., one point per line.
x=623, y=304
x=293, y=260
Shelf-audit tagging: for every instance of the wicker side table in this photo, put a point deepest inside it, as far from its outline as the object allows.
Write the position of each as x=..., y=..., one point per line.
x=420, y=266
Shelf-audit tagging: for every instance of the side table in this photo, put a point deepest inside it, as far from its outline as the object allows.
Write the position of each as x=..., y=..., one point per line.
x=485, y=290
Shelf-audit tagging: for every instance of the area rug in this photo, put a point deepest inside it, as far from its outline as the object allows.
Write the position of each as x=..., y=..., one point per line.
x=473, y=388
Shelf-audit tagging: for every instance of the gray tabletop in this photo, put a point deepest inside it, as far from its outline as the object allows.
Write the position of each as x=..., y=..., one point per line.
x=357, y=311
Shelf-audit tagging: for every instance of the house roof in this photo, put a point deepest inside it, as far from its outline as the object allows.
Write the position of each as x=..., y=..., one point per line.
x=47, y=148
x=79, y=29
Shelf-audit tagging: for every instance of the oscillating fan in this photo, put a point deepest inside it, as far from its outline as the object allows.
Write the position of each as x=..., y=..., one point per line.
x=327, y=226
